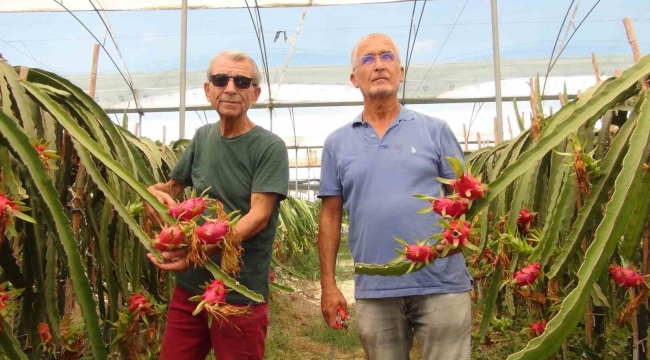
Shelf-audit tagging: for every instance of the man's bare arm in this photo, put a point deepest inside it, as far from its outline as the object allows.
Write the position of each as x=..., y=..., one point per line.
x=262, y=206
x=329, y=238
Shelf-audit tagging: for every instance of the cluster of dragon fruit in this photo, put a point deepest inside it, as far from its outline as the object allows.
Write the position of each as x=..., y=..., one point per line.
x=458, y=232
x=452, y=209
x=217, y=230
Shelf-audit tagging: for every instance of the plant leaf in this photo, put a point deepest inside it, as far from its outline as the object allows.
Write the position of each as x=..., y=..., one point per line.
x=28, y=155
x=80, y=135
x=599, y=191
x=607, y=235
x=615, y=92
x=232, y=283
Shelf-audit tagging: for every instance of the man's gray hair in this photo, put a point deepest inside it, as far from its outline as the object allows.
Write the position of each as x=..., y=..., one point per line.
x=353, y=56
x=237, y=55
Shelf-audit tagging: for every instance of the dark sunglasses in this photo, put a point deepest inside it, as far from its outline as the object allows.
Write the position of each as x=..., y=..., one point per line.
x=222, y=80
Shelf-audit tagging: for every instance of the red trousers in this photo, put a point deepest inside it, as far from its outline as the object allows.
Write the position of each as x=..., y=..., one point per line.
x=188, y=337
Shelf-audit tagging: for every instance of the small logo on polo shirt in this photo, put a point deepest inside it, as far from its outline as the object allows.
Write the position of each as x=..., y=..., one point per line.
x=413, y=150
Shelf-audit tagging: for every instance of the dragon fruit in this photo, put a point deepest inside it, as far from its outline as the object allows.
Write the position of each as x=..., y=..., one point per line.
x=7, y=207
x=45, y=155
x=524, y=220
x=215, y=293
x=469, y=187
x=528, y=274
x=212, y=231
x=626, y=277
x=10, y=209
x=537, y=328
x=457, y=234
x=4, y=298
x=419, y=253
x=138, y=304
x=169, y=238
x=272, y=276
x=188, y=209
x=451, y=207
x=44, y=333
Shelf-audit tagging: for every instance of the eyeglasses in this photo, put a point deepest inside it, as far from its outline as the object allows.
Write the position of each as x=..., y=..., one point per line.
x=222, y=80
x=368, y=60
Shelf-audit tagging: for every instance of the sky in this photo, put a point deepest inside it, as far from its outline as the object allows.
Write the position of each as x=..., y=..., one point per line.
x=150, y=42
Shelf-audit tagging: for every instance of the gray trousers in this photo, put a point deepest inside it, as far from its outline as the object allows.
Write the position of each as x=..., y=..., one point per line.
x=441, y=323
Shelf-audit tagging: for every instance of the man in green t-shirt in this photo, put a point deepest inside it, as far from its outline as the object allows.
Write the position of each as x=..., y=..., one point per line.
x=246, y=168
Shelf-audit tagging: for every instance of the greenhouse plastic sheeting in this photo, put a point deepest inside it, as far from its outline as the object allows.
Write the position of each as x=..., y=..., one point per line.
x=330, y=85
x=84, y=5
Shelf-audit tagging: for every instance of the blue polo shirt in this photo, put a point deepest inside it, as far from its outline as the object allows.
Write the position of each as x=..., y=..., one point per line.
x=378, y=178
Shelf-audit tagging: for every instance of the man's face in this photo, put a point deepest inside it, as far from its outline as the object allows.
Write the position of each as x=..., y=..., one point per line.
x=377, y=71
x=229, y=100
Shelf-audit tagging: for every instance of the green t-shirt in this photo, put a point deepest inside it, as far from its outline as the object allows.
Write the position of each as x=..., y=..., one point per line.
x=234, y=168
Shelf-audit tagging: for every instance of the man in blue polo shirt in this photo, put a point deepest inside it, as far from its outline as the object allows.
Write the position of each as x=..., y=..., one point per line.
x=373, y=166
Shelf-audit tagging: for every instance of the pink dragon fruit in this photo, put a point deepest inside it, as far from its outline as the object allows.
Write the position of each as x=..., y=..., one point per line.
x=626, y=277
x=169, y=238
x=451, y=207
x=458, y=233
x=139, y=304
x=212, y=231
x=538, y=328
x=469, y=187
x=419, y=253
x=215, y=293
x=524, y=220
x=188, y=209
x=528, y=274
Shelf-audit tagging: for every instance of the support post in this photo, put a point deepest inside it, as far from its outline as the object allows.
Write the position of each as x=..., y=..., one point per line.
x=631, y=38
x=497, y=68
x=465, y=136
x=164, y=139
x=181, y=130
x=509, y=128
x=595, y=64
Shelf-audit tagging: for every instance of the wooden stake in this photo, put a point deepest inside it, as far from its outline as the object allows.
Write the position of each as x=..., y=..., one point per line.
x=617, y=74
x=595, y=64
x=164, y=140
x=465, y=136
x=137, y=129
x=533, y=98
x=631, y=38
x=24, y=70
x=478, y=139
x=92, y=85
x=551, y=110
x=80, y=182
x=561, y=97
x=496, y=133
x=510, y=128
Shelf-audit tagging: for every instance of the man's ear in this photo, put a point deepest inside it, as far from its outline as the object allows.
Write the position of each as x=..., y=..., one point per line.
x=401, y=71
x=354, y=81
x=256, y=93
x=206, y=88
